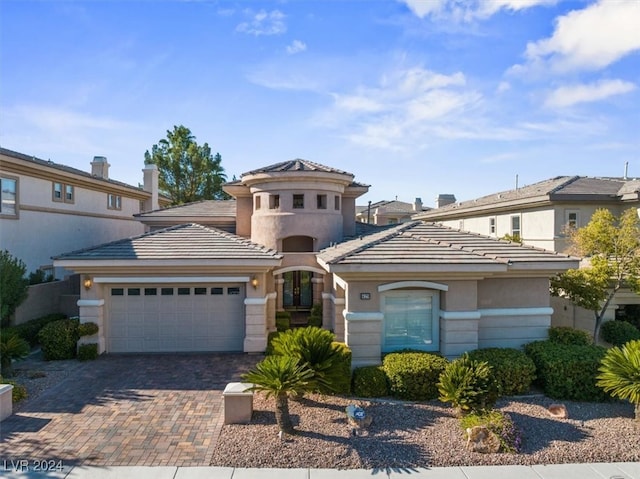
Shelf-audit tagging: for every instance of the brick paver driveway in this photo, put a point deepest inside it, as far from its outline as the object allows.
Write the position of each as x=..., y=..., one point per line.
x=128, y=410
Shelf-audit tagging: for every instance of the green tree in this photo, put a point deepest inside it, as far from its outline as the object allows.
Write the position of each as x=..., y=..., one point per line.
x=14, y=287
x=280, y=376
x=620, y=373
x=188, y=172
x=611, y=248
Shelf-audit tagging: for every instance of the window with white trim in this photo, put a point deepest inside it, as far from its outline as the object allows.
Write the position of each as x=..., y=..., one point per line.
x=9, y=203
x=515, y=226
x=62, y=192
x=411, y=320
x=492, y=225
x=572, y=219
x=114, y=202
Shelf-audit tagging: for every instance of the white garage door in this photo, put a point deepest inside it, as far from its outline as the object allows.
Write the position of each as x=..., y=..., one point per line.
x=175, y=318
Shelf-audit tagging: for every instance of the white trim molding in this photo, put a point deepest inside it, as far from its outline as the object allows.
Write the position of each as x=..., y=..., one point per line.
x=273, y=295
x=516, y=312
x=255, y=301
x=339, y=281
x=171, y=279
x=90, y=303
x=317, y=280
x=412, y=284
x=333, y=299
x=460, y=315
x=363, y=316
x=286, y=269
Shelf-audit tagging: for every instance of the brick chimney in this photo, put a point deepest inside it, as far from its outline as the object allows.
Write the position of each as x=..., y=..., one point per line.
x=444, y=200
x=150, y=184
x=100, y=167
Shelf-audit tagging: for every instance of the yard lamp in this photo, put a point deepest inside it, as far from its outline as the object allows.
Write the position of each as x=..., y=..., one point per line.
x=87, y=283
x=254, y=282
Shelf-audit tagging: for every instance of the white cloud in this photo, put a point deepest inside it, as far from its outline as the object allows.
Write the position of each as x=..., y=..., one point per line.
x=572, y=94
x=296, y=46
x=588, y=39
x=468, y=10
x=503, y=86
x=263, y=23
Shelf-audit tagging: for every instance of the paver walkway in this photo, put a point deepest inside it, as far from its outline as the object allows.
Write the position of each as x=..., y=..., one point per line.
x=129, y=411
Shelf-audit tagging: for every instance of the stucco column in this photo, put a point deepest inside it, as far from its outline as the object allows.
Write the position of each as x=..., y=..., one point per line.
x=279, y=292
x=318, y=287
x=458, y=332
x=363, y=335
x=255, y=336
x=92, y=311
x=271, y=311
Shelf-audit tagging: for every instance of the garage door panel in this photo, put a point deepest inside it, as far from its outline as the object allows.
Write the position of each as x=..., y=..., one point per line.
x=156, y=318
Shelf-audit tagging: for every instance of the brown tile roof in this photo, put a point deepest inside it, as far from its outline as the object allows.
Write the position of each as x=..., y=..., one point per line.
x=296, y=165
x=187, y=241
x=430, y=243
x=198, y=208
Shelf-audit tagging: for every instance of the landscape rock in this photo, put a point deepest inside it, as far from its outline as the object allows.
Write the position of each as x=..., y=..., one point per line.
x=559, y=411
x=481, y=439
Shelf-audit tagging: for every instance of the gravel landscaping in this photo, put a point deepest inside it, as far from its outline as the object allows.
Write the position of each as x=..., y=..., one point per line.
x=409, y=435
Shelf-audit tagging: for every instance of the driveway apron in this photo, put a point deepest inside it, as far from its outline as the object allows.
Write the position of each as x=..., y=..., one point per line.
x=127, y=410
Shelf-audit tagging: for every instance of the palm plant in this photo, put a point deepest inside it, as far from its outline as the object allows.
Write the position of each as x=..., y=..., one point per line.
x=620, y=373
x=12, y=347
x=280, y=376
x=315, y=347
x=468, y=385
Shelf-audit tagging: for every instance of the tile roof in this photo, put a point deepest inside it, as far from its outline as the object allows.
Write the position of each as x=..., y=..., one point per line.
x=187, y=241
x=67, y=169
x=198, y=208
x=296, y=165
x=430, y=243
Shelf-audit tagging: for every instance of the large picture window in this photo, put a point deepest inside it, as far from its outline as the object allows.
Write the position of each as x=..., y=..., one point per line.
x=410, y=320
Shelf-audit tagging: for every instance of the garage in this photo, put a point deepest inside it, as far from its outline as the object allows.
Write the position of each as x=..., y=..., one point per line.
x=150, y=318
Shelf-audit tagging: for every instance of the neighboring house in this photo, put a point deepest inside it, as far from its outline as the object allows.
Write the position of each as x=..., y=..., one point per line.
x=389, y=212
x=48, y=208
x=540, y=215
x=220, y=214
x=191, y=287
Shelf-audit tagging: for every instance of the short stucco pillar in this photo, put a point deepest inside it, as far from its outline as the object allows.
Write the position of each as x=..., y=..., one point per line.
x=458, y=332
x=338, y=318
x=92, y=311
x=280, y=293
x=6, y=401
x=255, y=336
x=318, y=287
x=271, y=311
x=363, y=335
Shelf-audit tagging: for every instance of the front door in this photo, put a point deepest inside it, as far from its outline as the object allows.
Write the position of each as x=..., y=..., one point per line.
x=297, y=290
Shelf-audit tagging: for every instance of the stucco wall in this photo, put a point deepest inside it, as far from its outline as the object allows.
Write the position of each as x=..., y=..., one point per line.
x=513, y=293
x=48, y=298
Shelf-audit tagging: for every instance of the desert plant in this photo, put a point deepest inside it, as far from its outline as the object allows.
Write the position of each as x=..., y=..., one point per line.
x=468, y=385
x=18, y=393
x=413, y=375
x=370, y=382
x=59, y=339
x=87, y=351
x=280, y=376
x=498, y=422
x=619, y=332
x=620, y=373
x=87, y=329
x=315, y=348
x=569, y=336
x=14, y=287
x=513, y=369
x=12, y=347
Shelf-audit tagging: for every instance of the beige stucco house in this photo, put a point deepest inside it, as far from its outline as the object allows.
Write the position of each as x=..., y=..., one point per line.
x=540, y=215
x=48, y=208
x=195, y=287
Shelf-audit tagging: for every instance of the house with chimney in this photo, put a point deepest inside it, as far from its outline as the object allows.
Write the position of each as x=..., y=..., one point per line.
x=211, y=276
x=48, y=208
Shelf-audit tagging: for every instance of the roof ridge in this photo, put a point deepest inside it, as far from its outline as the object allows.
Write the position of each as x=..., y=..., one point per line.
x=572, y=179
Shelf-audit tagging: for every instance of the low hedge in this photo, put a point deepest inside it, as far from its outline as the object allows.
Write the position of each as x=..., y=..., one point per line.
x=370, y=382
x=344, y=366
x=413, y=375
x=513, y=369
x=567, y=371
x=283, y=320
x=569, y=336
x=619, y=332
x=30, y=329
x=87, y=351
x=59, y=339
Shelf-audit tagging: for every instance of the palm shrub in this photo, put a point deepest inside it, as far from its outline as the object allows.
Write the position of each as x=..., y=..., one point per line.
x=279, y=377
x=315, y=348
x=620, y=373
x=12, y=347
x=468, y=385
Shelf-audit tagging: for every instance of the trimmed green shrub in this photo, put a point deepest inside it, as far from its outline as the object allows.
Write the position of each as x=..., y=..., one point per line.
x=30, y=329
x=413, y=375
x=499, y=423
x=283, y=320
x=620, y=373
x=315, y=316
x=513, y=369
x=87, y=329
x=59, y=338
x=330, y=361
x=619, y=332
x=87, y=351
x=567, y=371
x=469, y=385
x=370, y=382
x=569, y=336
x=14, y=287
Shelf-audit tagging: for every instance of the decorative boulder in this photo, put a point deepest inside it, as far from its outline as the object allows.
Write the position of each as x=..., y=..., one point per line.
x=481, y=439
x=559, y=411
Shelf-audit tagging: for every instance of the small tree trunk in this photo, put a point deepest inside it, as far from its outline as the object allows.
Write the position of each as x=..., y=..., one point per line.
x=637, y=411
x=282, y=413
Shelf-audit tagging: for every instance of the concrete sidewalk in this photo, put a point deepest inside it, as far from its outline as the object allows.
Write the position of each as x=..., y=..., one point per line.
x=618, y=470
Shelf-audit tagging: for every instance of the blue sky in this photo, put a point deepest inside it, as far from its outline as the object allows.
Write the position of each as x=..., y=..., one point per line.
x=415, y=97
